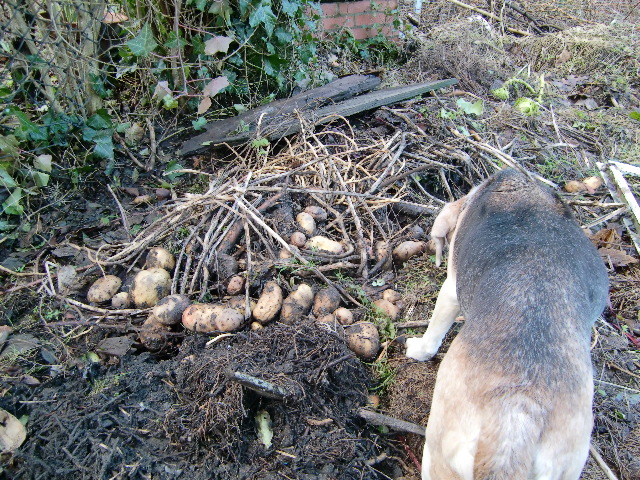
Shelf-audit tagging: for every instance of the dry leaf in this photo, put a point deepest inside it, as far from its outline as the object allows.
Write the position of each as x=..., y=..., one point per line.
x=12, y=432
x=564, y=57
x=117, y=346
x=606, y=237
x=205, y=103
x=592, y=184
x=215, y=85
x=616, y=257
x=217, y=44
x=162, y=89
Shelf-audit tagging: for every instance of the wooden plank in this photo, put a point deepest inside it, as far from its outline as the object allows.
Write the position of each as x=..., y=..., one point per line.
x=284, y=125
x=336, y=91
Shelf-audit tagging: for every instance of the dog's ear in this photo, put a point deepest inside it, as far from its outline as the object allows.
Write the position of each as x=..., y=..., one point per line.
x=444, y=226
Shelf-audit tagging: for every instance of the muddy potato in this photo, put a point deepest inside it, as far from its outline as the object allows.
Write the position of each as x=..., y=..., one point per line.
x=343, y=315
x=408, y=249
x=329, y=318
x=306, y=222
x=391, y=296
x=152, y=334
x=323, y=243
x=319, y=214
x=121, y=300
x=103, y=289
x=285, y=254
x=238, y=303
x=149, y=286
x=387, y=308
x=255, y=326
x=269, y=303
x=363, y=339
x=236, y=285
x=327, y=301
x=159, y=257
x=200, y=317
x=298, y=239
x=169, y=310
x=297, y=304
x=227, y=319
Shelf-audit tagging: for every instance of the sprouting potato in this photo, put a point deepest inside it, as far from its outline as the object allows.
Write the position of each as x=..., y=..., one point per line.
x=306, y=222
x=343, y=315
x=298, y=239
x=327, y=301
x=391, y=296
x=408, y=249
x=236, y=285
x=387, y=308
x=319, y=214
x=152, y=335
x=121, y=300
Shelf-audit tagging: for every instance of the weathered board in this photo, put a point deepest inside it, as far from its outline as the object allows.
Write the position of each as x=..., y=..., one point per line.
x=284, y=120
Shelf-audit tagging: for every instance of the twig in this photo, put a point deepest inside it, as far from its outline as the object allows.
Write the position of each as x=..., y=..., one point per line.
x=412, y=324
x=123, y=214
x=601, y=463
x=394, y=159
x=394, y=423
x=151, y=161
x=490, y=15
x=262, y=387
x=103, y=311
x=19, y=274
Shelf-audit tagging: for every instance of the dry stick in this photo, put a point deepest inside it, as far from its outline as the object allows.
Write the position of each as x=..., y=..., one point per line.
x=19, y=274
x=151, y=161
x=103, y=311
x=412, y=324
x=387, y=421
x=123, y=214
x=490, y=15
x=605, y=218
x=394, y=159
x=601, y=463
x=128, y=152
x=443, y=178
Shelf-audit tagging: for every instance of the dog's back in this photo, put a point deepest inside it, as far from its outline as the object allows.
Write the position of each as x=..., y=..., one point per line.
x=513, y=394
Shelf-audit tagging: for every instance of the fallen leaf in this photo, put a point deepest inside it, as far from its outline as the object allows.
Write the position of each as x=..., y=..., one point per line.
x=564, y=57
x=162, y=89
x=117, y=346
x=12, y=432
x=19, y=344
x=606, y=237
x=592, y=184
x=616, y=257
x=135, y=132
x=29, y=380
x=215, y=85
x=217, y=44
x=204, y=105
x=5, y=331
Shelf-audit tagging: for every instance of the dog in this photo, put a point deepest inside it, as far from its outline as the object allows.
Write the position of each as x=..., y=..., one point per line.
x=513, y=395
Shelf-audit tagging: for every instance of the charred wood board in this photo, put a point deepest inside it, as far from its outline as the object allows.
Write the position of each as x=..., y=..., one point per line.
x=281, y=122
x=222, y=130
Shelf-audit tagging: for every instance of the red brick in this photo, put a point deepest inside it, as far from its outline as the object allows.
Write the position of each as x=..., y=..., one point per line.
x=337, y=22
x=386, y=4
x=330, y=9
x=370, y=18
x=358, y=7
x=360, y=33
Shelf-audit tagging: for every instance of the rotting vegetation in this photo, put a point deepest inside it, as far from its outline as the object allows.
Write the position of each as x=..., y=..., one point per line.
x=98, y=404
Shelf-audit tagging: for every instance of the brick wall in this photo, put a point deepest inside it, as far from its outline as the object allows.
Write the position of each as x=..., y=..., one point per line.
x=360, y=17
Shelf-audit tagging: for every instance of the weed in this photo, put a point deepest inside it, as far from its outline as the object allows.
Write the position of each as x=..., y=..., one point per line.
x=101, y=384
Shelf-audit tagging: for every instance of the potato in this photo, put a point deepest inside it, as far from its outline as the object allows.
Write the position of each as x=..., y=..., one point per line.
x=238, y=303
x=327, y=301
x=159, y=257
x=236, y=285
x=363, y=339
x=103, y=289
x=297, y=304
x=298, y=239
x=255, y=326
x=149, y=286
x=169, y=310
x=408, y=249
x=330, y=318
x=269, y=303
x=200, y=317
x=382, y=250
x=285, y=254
x=319, y=214
x=323, y=243
x=228, y=319
x=592, y=183
x=121, y=300
x=152, y=334
x=306, y=222
x=387, y=308
x=574, y=186
x=343, y=315
x=391, y=296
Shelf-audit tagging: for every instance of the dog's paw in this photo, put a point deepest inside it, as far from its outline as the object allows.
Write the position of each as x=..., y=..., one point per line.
x=416, y=350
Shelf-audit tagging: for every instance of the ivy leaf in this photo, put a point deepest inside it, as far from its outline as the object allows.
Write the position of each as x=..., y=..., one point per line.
x=199, y=123
x=217, y=44
x=41, y=179
x=175, y=41
x=11, y=205
x=283, y=36
x=171, y=167
x=168, y=102
x=162, y=90
x=6, y=180
x=215, y=85
x=43, y=163
x=144, y=43
x=9, y=145
x=263, y=15
x=222, y=9
x=204, y=105
x=470, y=108
x=100, y=120
x=290, y=8
x=201, y=4
x=104, y=144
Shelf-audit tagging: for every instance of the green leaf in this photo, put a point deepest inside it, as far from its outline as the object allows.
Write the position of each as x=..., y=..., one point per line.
x=41, y=179
x=9, y=145
x=260, y=142
x=11, y=205
x=43, y=163
x=104, y=144
x=265, y=16
x=199, y=123
x=470, y=108
x=123, y=127
x=144, y=43
x=223, y=10
x=175, y=41
x=6, y=180
x=635, y=116
x=168, y=102
x=283, y=36
x=290, y=8
x=201, y=5
x=99, y=120
x=171, y=167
